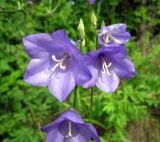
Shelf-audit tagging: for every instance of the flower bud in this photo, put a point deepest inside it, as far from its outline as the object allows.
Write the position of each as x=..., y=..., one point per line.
x=93, y=19
x=103, y=23
x=83, y=43
x=81, y=29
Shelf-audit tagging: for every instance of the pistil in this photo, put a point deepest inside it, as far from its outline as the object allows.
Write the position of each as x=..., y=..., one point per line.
x=69, y=130
x=59, y=63
x=108, y=37
x=105, y=67
x=114, y=39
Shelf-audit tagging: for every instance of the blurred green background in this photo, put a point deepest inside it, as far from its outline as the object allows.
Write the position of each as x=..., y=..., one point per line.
x=131, y=114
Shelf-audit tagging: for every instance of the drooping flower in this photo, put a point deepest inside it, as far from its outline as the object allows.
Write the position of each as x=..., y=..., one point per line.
x=92, y=1
x=107, y=67
x=56, y=63
x=70, y=127
x=113, y=35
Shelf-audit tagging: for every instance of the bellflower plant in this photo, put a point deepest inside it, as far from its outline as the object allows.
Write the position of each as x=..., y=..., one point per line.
x=113, y=35
x=55, y=63
x=70, y=127
x=107, y=67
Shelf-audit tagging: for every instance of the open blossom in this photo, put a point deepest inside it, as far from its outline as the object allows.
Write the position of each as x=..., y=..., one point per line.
x=92, y=1
x=70, y=127
x=55, y=63
x=107, y=67
x=113, y=35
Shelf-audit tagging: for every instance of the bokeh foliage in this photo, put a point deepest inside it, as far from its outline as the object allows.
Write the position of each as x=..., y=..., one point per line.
x=131, y=114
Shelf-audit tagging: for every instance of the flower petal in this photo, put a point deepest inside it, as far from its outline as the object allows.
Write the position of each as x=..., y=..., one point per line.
x=108, y=83
x=61, y=84
x=37, y=45
x=52, y=125
x=83, y=138
x=61, y=40
x=71, y=139
x=92, y=63
x=92, y=1
x=81, y=72
x=123, y=36
x=54, y=136
x=120, y=27
x=118, y=51
x=93, y=133
x=124, y=68
x=37, y=72
x=84, y=133
x=94, y=72
x=72, y=116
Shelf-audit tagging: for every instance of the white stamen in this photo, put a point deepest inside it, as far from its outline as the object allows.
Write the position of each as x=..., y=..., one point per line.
x=59, y=63
x=54, y=67
x=105, y=67
x=54, y=58
x=108, y=37
x=114, y=39
x=69, y=130
x=62, y=66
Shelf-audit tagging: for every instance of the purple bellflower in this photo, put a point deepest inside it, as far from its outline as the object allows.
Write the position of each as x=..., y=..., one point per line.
x=70, y=127
x=107, y=67
x=113, y=35
x=56, y=63
x=92, y=1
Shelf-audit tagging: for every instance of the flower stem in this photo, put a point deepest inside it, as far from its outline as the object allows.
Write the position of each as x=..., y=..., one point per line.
x=91, y=103
x=14, y=11
x=75, y=97
x=34, y=117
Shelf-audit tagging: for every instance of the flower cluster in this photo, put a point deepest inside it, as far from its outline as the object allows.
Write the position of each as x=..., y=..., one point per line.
x=110, y=62
x=58, y=63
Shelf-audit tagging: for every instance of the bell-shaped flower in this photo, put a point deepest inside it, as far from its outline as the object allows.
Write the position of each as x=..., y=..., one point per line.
x=70, y=127
x=56, y=63
x=107, y=67
x=113, y=35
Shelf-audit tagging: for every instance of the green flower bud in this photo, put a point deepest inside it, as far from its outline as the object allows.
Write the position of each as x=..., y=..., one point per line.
x=93, y=19
x=103, y=23
x=83, y=43
x=81, y=29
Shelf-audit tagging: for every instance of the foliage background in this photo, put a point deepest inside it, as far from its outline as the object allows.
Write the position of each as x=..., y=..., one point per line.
x=131, y=114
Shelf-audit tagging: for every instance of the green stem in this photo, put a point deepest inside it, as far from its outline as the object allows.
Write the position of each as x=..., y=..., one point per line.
x=34, y=117
x=91, y=103
x=75, y=97
x=96, y=39
x=56, y=7
x=99, y=8
x=10, y=11
x=50, y=5
x=90, y=7
x=14, y=11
